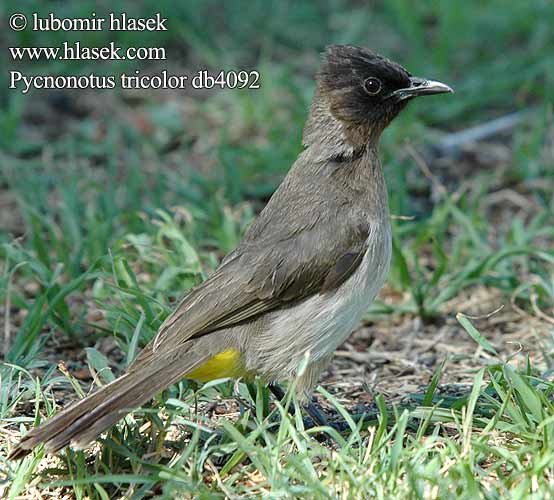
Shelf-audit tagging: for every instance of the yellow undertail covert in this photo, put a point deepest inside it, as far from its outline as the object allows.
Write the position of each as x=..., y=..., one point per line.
x=224, y=364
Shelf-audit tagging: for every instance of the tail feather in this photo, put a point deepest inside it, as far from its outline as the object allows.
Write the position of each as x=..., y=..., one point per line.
x=82, y=422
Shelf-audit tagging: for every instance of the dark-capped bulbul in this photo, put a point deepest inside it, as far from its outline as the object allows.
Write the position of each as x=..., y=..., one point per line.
x=302, y=277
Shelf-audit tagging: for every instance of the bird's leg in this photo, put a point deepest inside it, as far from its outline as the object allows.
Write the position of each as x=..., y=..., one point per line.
x=310, y=408
x=314, y=412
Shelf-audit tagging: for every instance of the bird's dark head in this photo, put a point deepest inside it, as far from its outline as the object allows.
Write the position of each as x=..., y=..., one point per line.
x=364, y=91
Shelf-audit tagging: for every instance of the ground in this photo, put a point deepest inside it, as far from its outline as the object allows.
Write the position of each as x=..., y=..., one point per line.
x=114, y=204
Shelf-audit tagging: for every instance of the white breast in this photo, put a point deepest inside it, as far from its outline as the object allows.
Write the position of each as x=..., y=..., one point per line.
x=322, y=322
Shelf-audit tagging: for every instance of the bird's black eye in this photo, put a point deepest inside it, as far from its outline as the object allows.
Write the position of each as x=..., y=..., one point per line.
x=372, y=85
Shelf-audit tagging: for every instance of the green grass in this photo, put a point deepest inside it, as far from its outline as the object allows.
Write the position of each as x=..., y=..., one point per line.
x=113, y=221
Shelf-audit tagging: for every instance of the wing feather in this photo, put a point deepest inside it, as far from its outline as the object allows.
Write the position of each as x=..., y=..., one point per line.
x=278, y=262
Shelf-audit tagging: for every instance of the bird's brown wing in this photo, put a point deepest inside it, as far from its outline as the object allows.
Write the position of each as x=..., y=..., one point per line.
x=266, y=273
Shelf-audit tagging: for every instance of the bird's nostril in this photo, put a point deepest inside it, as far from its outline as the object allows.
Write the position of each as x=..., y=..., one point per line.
x=417, y=82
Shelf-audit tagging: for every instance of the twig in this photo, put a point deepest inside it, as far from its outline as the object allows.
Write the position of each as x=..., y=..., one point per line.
x=219, y=481
x=538, y=311
x=451, y=144
x=486, y=315
x=510, y=195
x=402, y=217
x=534, y=305
x=422, y=164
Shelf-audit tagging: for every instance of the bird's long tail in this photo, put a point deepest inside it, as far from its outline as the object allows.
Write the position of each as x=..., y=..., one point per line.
x=82, y=422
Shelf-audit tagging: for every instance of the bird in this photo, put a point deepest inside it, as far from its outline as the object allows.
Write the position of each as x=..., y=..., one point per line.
x=302, y=277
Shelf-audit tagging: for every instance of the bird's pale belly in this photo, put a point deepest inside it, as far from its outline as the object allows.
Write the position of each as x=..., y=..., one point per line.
x=316, y=326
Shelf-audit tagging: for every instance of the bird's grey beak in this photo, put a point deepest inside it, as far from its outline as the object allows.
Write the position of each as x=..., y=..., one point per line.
x=421, y=86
